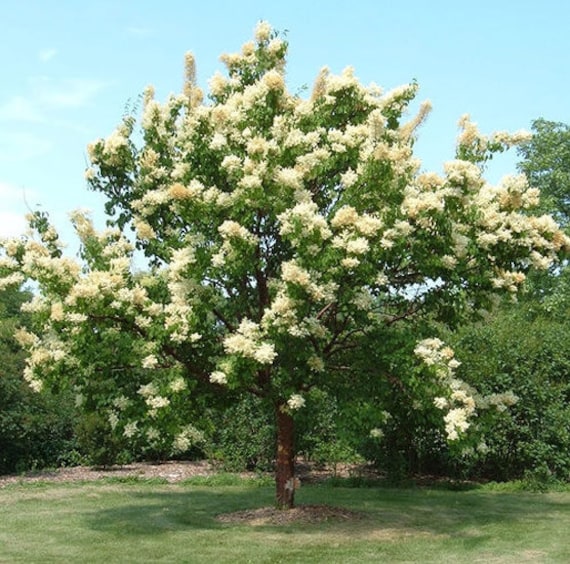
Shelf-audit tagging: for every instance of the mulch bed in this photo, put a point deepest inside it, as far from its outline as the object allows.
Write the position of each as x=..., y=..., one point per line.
x=302, y=514
x=172, y=472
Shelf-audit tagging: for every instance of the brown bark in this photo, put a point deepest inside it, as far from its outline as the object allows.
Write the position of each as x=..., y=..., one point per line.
x=285, y=466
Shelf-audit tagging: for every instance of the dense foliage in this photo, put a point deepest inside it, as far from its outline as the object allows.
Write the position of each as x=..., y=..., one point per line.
x=35, y=430
x=546, y=163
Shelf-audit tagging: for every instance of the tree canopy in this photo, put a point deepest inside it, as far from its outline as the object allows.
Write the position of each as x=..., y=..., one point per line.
x=546, y=163
x=278, y=231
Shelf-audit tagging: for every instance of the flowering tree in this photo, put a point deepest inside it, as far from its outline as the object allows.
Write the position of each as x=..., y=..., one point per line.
x=278, y=230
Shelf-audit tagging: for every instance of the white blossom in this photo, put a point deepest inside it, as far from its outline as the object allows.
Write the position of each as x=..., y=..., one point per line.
x=218, y=377
x=178, y=384
x=130, y=429
x=262, y=31
x=296, y=401
x=157, y=402
x=150, y=361
x=265, y=353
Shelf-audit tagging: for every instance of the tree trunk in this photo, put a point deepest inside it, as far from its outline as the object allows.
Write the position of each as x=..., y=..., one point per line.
x=285, y=467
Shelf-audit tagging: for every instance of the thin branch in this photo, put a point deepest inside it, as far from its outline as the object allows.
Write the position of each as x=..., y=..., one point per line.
x=411, y=311
x=324, y=310
x=230, y=326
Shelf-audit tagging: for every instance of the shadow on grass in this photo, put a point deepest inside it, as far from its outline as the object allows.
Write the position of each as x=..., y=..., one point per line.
x=164, y=510
x=472, y=515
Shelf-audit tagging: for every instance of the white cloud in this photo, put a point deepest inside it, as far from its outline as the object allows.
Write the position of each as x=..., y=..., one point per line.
x=46, y=55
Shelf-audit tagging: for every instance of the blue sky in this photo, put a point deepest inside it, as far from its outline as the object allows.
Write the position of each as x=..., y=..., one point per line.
x=70, y=68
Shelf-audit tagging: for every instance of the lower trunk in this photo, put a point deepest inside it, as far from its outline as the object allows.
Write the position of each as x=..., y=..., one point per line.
x=285, y=466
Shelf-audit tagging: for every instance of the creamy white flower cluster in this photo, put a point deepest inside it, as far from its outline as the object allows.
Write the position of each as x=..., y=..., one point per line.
x=120, y=411
x=354, y=232
x=485, y=219
x=428, y=194
x=461, y=403
x=500, y=223
x=232, y=232
x=111, y=149
x=153, y=399
x=37, y=263
x=461, y=406
x=293, y=273
x=43, y=357
x=252, y=158
x=471, y=138
x=287, y=314
x=462, y=400
x=178, y=313
x=296, y=401
x=188, y=437
x=264, y=38
x=434, y=352
x=247, y=341
x=303, y=221
x=71, y=296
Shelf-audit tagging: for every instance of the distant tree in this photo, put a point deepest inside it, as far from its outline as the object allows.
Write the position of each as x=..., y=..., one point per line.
x=12, y=386
x=279, y=231
x=13, y=356
x=35, y=429
x=546, y=163
x=524, y=348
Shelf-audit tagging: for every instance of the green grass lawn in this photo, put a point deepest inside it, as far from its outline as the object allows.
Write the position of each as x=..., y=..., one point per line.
x=130, y=521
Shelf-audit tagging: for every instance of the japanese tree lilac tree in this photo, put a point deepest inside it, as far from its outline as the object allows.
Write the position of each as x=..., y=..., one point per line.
x=278, y=231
